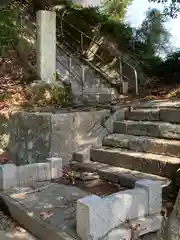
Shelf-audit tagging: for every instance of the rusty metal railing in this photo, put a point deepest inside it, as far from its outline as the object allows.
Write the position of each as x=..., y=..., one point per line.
x=79, y=48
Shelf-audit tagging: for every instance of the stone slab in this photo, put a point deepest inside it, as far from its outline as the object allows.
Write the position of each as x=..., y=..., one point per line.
x=144, y=144
x=170, y=115
x=147, y=128
x=59, y=200
x=145, y=162
x=143, y=115
x=123, y=176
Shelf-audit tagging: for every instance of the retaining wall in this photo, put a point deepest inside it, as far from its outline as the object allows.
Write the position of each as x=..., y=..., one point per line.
x=31, y=137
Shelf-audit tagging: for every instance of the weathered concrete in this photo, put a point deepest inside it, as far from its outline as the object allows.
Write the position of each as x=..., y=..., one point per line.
x=57, y=201
x=117, y=116
x=143, y=115
x=8, y=176
x=96, y=217
x=170, y=115
x=24, y=175
x=31, y=137
x=46, y=45
x=123, y=176
x=154, y=191
x=97, y=134
x=145, y=162
x=144, y=144
x=152, y=129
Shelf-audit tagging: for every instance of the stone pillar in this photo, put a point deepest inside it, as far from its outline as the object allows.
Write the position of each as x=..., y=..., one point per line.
x=46, y=45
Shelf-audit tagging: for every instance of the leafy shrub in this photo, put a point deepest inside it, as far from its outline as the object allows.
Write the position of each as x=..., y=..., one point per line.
x=8, y=27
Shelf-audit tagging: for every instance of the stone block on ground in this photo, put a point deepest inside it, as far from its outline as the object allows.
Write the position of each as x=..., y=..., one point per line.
x=55, y=167
x=8, y=176
x=154, y=191
x=44, y=171
x=27, y=173
x=91, y=218
x=128, y=204
x=97, y=216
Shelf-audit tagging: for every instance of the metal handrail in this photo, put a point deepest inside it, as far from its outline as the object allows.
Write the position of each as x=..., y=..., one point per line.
x=70, y=64
x=82, y=35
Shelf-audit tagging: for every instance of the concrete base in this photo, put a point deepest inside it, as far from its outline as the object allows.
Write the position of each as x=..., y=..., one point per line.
x=51, y=214
x=12, y=175
x=56, y=200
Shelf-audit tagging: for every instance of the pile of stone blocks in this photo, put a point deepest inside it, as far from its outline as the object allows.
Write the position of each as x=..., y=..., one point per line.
x=121, y=215
x=12, y=175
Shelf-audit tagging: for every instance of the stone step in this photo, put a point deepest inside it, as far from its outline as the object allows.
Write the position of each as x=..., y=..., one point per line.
x=124, y=177
x=148, y=128
x=144, y=144
x=171, y=115
x=143, y=114
x=145, y=162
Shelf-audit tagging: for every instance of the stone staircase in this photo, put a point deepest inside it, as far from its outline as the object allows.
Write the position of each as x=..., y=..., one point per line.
x=146, y=144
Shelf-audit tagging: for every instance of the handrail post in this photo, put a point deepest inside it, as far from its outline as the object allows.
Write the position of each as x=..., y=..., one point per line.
x=82, y=79
x=70, y=68
x=82, y=44
x=120, y=72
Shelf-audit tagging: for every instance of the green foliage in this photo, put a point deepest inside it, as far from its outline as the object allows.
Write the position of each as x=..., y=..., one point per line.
x=153, y=33
x=171, y=8
x=169, y=69
x=115, y=9
x=8, y=27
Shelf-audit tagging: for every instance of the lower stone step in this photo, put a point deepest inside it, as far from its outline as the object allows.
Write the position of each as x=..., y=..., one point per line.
x=144, y=144
x=122, y=176
x=144, y=162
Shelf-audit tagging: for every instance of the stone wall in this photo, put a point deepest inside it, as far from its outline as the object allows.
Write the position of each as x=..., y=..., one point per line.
x=32, y=137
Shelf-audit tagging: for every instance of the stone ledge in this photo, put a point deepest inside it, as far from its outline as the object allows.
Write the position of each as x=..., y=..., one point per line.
x=96, y=216
x=12, y=175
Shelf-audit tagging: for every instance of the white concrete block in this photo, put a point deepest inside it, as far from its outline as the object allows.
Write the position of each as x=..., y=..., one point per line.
x=55, y=167
x=91, y=218
x=154, y=191
x=27, y=174
x=8, y=176
x=125, y=87
x=143, y=225
x=128, y=204
x=44, y=171
x=96, y=216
